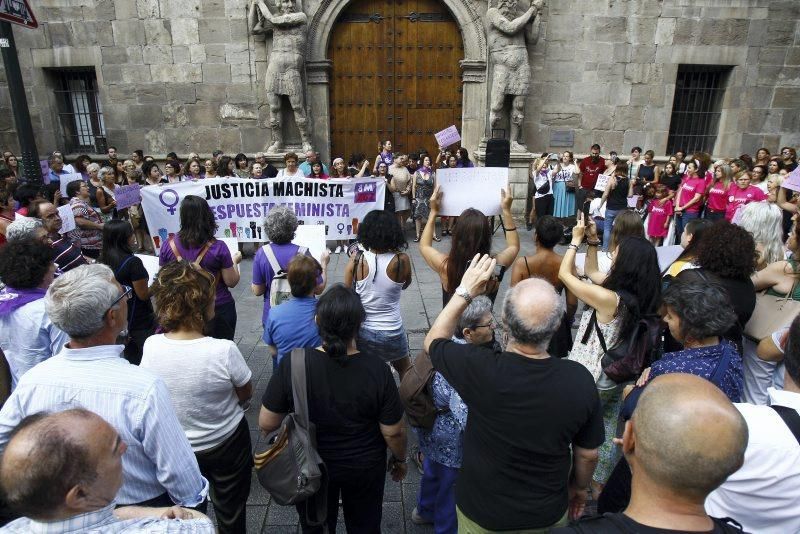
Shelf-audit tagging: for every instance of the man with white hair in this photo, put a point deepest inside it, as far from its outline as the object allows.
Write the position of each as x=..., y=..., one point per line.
x=535, y=423
x=91, y=307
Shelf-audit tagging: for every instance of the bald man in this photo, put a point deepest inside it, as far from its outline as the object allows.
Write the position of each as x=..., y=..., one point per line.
x=684, y=439
x=527, y=412
x=61, y=472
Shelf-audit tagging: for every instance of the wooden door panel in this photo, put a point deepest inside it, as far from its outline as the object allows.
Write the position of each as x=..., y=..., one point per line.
x=395, y=75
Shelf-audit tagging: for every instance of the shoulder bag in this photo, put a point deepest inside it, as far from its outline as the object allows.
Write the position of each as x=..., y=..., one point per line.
x=290, y=467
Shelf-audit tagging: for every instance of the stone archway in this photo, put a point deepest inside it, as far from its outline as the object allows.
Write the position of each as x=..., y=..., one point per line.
x=473, y=68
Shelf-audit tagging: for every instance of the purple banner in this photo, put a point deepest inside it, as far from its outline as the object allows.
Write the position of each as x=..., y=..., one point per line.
x=127, y=195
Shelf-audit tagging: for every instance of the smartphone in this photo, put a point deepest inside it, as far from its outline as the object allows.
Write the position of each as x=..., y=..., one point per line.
x=586, y=212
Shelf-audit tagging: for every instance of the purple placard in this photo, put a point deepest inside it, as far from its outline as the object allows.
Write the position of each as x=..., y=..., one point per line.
x=448, y=136
x=127, y=195
x=792, y=180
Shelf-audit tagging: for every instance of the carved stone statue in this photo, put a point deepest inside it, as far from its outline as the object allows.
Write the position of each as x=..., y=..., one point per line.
x=508, y=36
x=286, y=64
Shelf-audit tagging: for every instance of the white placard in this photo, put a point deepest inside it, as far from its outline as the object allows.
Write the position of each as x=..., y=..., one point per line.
x=311, y=236
x=67, y=218
x=474, y=187
x=667, y=255
x=150, y=264
x=602, y=182
x=633, y=201
x=66, y=179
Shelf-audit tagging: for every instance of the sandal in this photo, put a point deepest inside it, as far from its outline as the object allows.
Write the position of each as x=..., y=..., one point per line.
x=437, y=238
x=416, y=239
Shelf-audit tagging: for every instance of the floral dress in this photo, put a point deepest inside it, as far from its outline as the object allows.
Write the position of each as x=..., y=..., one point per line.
x=423, y=192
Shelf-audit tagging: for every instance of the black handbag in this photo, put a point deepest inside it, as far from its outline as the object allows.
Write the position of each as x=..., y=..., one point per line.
x=290, y=467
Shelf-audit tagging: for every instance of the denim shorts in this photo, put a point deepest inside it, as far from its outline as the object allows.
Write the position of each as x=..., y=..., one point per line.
x=390, y=345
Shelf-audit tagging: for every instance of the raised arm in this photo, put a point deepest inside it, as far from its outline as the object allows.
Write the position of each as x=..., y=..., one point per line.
x=509, y=27
x=507, y=256
x=432, y=257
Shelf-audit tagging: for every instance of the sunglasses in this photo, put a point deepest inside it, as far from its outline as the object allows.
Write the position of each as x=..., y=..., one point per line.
x=126, y=294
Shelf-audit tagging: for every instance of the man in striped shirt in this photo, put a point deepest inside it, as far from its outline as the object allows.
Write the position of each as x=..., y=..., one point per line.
x=68, y=254
x=87, y=303
x=62, y=471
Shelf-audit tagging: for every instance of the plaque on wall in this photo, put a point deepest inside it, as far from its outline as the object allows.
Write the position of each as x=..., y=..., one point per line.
x=563, y=138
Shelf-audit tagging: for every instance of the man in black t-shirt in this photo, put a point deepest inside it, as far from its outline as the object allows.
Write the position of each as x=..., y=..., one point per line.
x=684, y=439
x=526, y=411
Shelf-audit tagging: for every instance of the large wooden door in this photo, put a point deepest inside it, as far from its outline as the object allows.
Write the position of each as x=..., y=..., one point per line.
x=395, y=76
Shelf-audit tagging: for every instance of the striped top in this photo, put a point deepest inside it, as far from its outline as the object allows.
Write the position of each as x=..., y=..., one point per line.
x=132, y=400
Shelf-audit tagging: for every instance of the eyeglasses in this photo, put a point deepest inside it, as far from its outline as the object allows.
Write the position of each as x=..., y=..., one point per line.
x=490, y=324
x=126, y=294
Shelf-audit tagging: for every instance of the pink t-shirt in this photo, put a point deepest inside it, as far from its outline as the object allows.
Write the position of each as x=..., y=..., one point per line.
x=690, y=188
x=659, y=215
x=739, y=197
x=717, y=197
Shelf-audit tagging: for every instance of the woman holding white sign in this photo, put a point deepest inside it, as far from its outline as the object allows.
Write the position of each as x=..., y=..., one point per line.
x=472, y=235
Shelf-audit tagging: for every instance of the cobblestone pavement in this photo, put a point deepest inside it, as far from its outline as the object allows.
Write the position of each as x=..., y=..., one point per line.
x=420, y=304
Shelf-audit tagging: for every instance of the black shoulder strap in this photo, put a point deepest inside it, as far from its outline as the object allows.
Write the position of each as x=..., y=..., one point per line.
x=299, y=387
x=791, y=418
x=527, y=266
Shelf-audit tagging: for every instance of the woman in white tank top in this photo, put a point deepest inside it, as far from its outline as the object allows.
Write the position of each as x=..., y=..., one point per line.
x=379, y=274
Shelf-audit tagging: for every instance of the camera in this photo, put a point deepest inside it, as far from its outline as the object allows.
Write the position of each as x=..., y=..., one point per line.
x=553, y=157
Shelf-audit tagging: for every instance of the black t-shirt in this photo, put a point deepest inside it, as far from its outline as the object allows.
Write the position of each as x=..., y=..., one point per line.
x=140, y=312
x=672, y=181
x=622, y=524
x=523, y=415
x=347, y=400
x=618, y=197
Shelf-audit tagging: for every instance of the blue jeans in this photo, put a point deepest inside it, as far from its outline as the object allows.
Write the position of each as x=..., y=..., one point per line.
x=682, y=221
x=437, y=496
x=390, y=345
x=607, y=224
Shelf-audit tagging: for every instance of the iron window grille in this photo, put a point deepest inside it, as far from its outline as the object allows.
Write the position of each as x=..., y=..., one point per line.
x=697, y=107
x=80, y=111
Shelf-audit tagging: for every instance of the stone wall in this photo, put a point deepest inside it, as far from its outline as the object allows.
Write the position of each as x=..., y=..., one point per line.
x=185, y=75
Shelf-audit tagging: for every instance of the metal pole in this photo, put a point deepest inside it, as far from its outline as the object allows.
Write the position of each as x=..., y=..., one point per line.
x=19, y=105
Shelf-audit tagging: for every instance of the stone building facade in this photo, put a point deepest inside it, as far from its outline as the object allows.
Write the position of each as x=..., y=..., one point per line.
x=187, y=75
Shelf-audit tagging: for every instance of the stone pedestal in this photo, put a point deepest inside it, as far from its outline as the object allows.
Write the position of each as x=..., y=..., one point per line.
x=518, y=166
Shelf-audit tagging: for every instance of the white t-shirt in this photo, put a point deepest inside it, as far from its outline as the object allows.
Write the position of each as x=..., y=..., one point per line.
x=200, y=375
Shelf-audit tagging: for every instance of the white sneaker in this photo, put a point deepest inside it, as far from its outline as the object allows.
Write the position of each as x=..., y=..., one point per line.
x=338, y=250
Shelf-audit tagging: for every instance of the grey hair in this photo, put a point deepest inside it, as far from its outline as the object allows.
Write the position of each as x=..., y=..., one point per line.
x=764, y=221
x=101, y=174
x=22, y=229
x=540, y=332
x=280, y=225
x=53, y=158
x=703, y=308
x=93, y=167
x=77, y=300
x=474, y=313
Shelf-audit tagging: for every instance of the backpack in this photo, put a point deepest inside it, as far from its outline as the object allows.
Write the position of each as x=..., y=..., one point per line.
x=416, y=393
x=279, y=289
x=196, y=263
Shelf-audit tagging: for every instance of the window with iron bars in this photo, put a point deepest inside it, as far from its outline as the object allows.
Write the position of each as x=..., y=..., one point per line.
x=697, y=107
x=79, y=110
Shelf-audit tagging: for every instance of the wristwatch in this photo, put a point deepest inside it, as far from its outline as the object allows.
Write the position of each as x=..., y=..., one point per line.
x=462, y=292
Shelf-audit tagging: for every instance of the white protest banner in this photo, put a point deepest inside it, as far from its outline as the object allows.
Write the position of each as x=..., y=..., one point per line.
x=473, y=187
x=311, y=236
x=67, y=219
x=667, y=255
x=66, y=179
x=241, y=205
x=448, y=136
x=792, y=180
x=602, y=182
x=127, y=195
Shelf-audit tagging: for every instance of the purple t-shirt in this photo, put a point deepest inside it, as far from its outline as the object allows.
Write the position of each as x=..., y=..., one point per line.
x=263, y=273
x=216, y=259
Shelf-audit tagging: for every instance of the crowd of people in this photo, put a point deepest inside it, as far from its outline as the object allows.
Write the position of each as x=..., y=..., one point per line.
x=622, y=392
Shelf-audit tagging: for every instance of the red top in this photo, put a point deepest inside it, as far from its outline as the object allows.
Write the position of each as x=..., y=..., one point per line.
x=590, y=171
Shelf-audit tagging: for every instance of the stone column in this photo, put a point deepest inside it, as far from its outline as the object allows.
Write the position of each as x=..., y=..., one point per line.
x=317, y=80
x=474, y=106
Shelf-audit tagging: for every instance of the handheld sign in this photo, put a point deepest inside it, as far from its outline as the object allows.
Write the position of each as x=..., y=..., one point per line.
x=311, y=236
x=150, y=265
x=65, y=179
x=18, y=12
x=448, y=136
x=792, y=180
x=127, y=195
x=67, y=218
x=602, y=182
x=474, y=187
